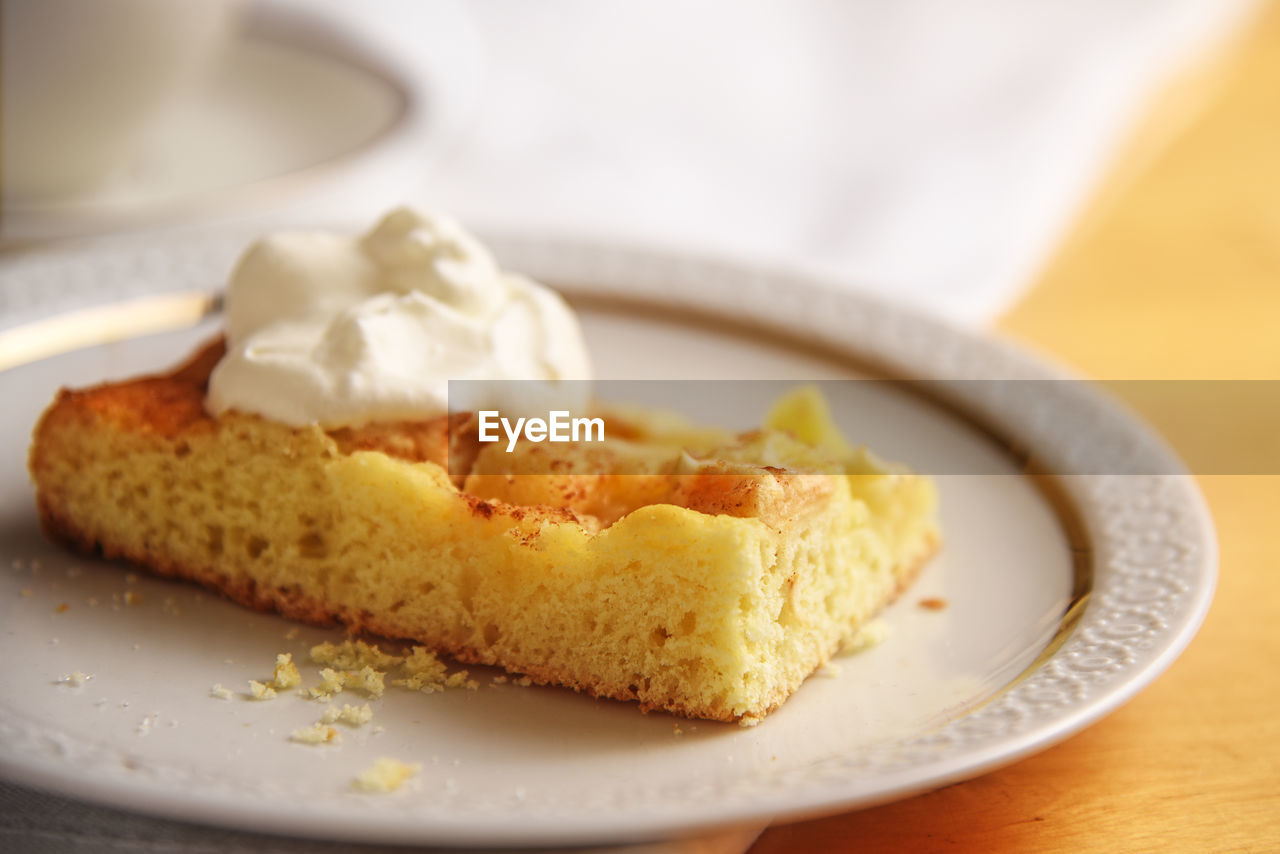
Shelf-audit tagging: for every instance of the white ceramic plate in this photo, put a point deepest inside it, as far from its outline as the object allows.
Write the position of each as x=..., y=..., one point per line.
x=1058, y=609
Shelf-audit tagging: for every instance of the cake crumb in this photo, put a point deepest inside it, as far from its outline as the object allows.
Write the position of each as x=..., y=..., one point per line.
x=76, y=678
x=353, y=655
x=348, y=714
x=933, y=603
x=423, y=662
x=286, y=673
x=368, y=680
x=500, y=679
x=62, y=608
x=261, y=690
x=460, y=680
x=331, y=682
x=385, y=775
x=131, y=597
x=317, y=733
x=356, y=665
x=220, y=693
x=829, y=670
x=291, y=634
x=418, y=683
x=423, y=671
x=27, y=593
x=93, y=601
x=524, y=681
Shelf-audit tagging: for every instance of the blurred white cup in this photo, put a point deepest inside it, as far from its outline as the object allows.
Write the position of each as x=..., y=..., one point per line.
x=83, y=79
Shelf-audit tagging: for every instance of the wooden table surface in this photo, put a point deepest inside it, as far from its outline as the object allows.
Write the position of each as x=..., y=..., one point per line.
x=1173, y=273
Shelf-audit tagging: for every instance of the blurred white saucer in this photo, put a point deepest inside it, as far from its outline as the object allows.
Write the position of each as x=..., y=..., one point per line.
x=315, y=106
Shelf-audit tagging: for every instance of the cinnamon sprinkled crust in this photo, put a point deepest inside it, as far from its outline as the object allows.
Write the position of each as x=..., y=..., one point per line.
x=710, y=589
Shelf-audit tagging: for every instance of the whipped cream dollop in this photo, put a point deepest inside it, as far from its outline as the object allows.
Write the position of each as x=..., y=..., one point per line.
x=341, y=330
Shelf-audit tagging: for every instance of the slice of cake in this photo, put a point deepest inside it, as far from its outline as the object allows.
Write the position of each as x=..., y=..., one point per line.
x=687, y=569
x=711, y=592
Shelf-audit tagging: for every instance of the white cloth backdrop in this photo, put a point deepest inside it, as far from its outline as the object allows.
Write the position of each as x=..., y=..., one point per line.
x=928, y=150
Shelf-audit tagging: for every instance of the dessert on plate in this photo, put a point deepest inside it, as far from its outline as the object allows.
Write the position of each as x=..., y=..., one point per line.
x=308, y=463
